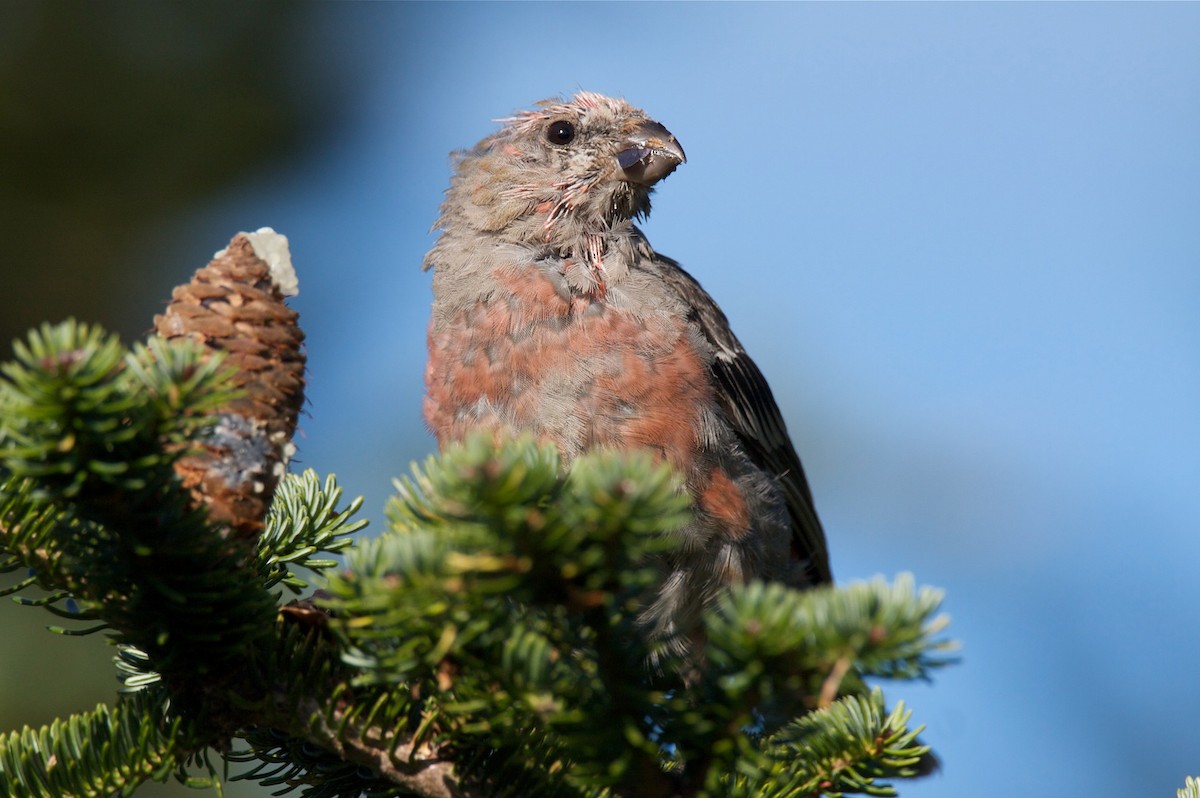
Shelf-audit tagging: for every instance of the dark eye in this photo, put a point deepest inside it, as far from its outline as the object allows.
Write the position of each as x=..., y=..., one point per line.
x=560, y=132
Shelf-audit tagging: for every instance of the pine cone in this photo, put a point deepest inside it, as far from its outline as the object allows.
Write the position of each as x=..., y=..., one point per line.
x=235, y=304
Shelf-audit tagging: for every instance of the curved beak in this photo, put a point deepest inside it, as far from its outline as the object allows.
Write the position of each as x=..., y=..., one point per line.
x=650, y=154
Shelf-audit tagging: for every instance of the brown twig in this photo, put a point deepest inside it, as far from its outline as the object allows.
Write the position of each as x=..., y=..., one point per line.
x=833, y=682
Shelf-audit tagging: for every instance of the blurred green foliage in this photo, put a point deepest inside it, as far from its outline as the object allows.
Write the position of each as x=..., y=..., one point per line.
x=116, y=116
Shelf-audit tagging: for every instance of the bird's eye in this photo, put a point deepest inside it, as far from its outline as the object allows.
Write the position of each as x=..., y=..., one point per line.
x=560, y=132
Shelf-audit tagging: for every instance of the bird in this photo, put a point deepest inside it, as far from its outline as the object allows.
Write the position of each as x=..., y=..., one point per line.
x=553, y=315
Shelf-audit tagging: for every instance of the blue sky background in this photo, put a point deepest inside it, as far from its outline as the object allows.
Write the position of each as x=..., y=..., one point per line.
x=962, y=242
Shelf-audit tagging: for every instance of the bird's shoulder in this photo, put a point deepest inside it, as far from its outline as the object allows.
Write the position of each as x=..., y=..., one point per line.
x=746, y=400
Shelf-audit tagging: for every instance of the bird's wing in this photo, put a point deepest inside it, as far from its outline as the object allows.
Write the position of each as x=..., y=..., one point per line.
x=747, y=401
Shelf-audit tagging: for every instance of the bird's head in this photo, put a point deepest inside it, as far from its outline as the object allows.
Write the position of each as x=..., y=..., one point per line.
x=565, y=170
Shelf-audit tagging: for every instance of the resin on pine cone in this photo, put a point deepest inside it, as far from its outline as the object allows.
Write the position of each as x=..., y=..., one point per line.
x=235, y=305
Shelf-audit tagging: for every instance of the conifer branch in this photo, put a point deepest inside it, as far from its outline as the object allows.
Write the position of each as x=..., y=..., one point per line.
x=122, y=747
x=488, y=643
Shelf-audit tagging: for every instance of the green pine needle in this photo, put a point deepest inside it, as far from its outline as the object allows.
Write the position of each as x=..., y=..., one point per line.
x=110, y=750
x=852, y=746
x=304, y=522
